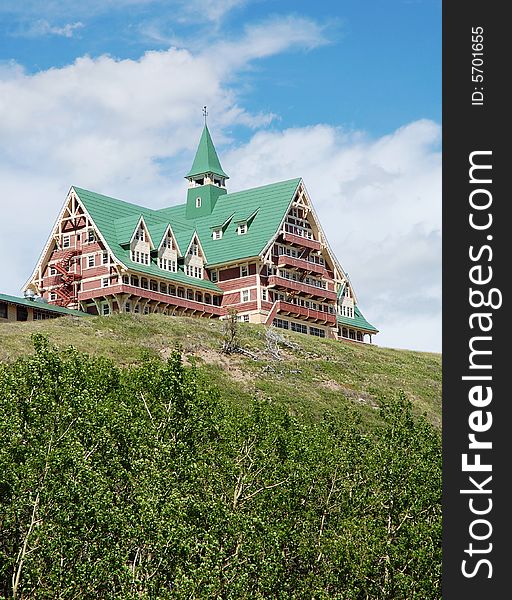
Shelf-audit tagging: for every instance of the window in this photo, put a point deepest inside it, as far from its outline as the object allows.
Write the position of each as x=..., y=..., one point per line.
x=105, y=282
x=3, y=310
x=53, y=296
x=198, y=202
x=136, y=310
x=105, y=309
x=317, y=331
x=298, y=327
x=128, y=307
x=104, y=259
x=90, y=261
x=146, y=310
x=140, y=234
x=242, y=229
x=66, y=242
x=140, y=257
x=53, y=271
x=194, y=250
x=217, y=234
x=245, y=318
x=244, y=296
x=264, y=294
x=90, y=236
x=167, y=243
x=167, y=264
x=244, y=270
x=144, y=283
x=214, y=276
x=280, y=323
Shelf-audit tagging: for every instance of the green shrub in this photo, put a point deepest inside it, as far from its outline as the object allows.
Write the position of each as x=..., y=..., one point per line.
x=144, y=483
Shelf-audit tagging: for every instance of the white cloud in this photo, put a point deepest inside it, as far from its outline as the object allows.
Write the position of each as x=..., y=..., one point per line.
x=380, y=204
x=43, y=28
x=129, y=128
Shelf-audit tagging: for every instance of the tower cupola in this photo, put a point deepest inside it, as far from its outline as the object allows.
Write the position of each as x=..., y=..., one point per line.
x=206, y=178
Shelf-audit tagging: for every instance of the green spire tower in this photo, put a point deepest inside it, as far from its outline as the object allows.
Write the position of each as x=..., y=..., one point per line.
x=206, y=178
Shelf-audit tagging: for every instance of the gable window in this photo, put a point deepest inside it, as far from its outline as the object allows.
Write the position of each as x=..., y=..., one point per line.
x=90, y=236
x=242, y=229
x=90, y=260
x=140, y=257
x=167, y=264
x=198, y=202
x=66, y=242
x=167, y=243
x=53, y=271
x=217, y=234
x=104, y=260
x=244, y=270
x=194, y=250
x=245, y=296
x=139, y=234
x=193, y=271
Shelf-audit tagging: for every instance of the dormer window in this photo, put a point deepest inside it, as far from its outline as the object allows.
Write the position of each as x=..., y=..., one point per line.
x=242, y=229
x=217, y=233
x=167, y=243
x=198, y=202
x=194, y=249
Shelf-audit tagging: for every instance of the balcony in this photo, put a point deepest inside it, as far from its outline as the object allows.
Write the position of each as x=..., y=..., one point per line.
x=299, y=240
x=301, y=263
x=189, y=305
x=298, y=286
x=317, y=316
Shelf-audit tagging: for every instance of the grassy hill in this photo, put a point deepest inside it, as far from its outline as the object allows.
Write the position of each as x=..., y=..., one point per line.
x=310, y=376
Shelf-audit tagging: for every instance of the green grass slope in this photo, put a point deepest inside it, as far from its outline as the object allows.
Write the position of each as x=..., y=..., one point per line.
x=310, y=375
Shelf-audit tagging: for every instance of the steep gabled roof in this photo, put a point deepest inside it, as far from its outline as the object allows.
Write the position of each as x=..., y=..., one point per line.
x=116, y=221
x=272, y=201
x=206, y=159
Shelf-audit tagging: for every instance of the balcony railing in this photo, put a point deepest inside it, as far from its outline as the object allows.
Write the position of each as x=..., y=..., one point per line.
x=302, y=311
x=301, y=263
x=192, y=305
x=298, y=286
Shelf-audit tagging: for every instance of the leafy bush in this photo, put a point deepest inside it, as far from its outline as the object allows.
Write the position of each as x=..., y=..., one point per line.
x=143, y=483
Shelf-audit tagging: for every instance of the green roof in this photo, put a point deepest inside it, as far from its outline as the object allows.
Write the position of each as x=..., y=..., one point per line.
x=116, y=220
x=272, y=200
x=206, y=159
x=41, y=305
x=359, y=322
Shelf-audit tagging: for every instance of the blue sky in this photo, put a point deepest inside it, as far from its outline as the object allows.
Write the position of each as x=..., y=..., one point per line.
x=107, y=94
x=380, y=65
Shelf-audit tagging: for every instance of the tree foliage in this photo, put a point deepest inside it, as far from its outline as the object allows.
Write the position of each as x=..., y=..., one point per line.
x=144, y=483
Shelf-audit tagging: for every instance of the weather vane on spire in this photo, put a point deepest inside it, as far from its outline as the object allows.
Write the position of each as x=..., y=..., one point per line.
x=205, y=114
